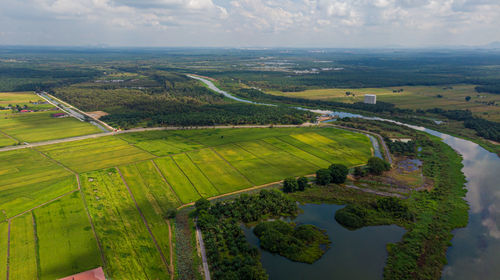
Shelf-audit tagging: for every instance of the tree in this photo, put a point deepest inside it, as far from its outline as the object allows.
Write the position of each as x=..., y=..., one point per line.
x=338, y=173
x=171, y=213
x=290, y=185
x=202, y=204
x=303, y=183
x=377, y=166
x=359, y=171
x=323, y=176
x=467, y=98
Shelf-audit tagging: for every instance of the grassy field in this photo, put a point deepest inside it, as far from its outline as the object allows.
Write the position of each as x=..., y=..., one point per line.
x=28, y=179
x=177, y=179
x=414, y=97
x=93, y=154
x=195, y=176
x=128, y=248
x=23, y=259
x=161, y=143
x=4, y=226
x=40, y=126
x=6, y=141
x=21, y=99
x=66, y=243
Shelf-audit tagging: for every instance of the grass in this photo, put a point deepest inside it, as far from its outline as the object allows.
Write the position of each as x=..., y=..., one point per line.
x=97, y=153
x=23, y=259
x=66, y=243
x=6, y=141
x=160, y=143
x=21, y=99
x=195, y=176
x=128, y=248
x=176, y=178
x=154, y=198
x=40, y=126
x=413, y=97
x=28, y=179
x=4, y=227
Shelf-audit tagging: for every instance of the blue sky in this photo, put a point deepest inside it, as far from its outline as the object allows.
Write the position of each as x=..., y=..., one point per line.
x=250, y=23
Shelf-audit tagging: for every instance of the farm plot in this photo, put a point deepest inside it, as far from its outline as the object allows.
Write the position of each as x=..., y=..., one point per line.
x=222, y=175
x=195, y=176
x=23, y=260
x=176, y=178
x=154, y=198
x=6, y=141
x=297, y=152
x=4, y=227
x=128, y=247
x=40, y=126
x=161, y=143
x=93, y=154
x=28, y=179
x=66, y=244
x=23, y=98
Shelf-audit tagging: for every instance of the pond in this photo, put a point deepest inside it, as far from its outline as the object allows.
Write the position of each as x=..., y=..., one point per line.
x=358, y=254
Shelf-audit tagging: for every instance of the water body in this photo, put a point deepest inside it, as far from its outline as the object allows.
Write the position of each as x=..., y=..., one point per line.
x=475, y=250
x=358, y=254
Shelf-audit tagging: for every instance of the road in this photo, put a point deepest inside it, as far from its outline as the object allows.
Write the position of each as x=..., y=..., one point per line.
x=204, y=260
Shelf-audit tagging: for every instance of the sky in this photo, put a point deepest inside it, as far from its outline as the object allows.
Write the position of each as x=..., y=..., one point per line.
x=250, y=23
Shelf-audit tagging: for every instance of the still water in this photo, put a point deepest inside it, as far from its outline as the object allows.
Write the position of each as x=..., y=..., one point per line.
x=358, y=254
x=475, y=250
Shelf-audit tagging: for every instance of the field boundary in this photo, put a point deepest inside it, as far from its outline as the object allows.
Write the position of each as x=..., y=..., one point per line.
x=232, y=166
x=165, y=180
x=170, y=245
x=164, y=260
x=8, y=251
x=10, y=136
x=35, y=238
x=43, y=204
x=201, y=171
x=185, y=175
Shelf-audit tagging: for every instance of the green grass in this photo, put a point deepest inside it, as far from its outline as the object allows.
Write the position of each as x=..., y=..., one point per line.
x=128, y=248
x=22, y=261
x=297, y=152
x=40, y=126
x=21, y=99
x=66, y=243
x=225, y=177
x=93, y=154
x=160, y=143
x=154, y=198
x=195, y=176
x=6, y=141
x=176, y=178
x=4, y=227
x=28, y=179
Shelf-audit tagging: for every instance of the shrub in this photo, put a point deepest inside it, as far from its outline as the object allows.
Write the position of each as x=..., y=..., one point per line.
x=338, y=173
x=303, y=183
x=377, y=166
x=290, y=185
x=323, y=176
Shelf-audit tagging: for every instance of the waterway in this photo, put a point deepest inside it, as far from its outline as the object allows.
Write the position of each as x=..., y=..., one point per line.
x=475, y=250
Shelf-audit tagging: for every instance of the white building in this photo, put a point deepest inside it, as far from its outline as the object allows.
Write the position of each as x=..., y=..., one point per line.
x=370, y=99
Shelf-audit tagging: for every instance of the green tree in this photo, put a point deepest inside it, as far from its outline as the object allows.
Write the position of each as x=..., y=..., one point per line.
x=467, y=98
x=290, y=185
x=303, y=183
x=338, y=173
x=323, y=176
x=377, y=166
x=202, y=204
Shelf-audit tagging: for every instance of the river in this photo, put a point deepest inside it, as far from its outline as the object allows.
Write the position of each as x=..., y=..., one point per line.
x=475, y=250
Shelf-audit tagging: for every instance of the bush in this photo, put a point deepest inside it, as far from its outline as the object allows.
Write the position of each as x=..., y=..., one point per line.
x=303, y=183
x=377, y=166
x=349, y=220
x=202, y=204
x=323, y=176
x=338, y=173
x=171, y=213
x=290, y=185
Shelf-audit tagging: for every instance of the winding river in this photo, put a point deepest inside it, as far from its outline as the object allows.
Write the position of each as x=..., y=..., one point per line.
x=475, y=250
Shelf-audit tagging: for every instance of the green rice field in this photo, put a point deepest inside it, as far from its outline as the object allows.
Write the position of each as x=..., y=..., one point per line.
x=4, y=227
x=23, y=259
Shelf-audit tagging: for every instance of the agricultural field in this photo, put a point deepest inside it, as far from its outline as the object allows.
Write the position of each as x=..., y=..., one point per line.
x=6, y=140
x=177, y=179
x=66, y=244
x=414, y=97
x=128, y=247
x=22, y=99
x=40, y=126
x=23, y=259
x=95, y=153
x=28, y=179
x=4, y=227
x=161, y=143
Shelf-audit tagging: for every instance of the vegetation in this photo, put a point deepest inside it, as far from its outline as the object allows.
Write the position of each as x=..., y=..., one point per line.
x=23, y=248
x=402, y=148
x=377, y=166
x=302, y=243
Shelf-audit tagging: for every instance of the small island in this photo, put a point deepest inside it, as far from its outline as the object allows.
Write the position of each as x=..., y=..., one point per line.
x=303, y=243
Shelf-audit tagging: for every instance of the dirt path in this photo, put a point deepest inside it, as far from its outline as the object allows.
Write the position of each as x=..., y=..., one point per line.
x=164, y=260
x=204, y=260
x=171, y=247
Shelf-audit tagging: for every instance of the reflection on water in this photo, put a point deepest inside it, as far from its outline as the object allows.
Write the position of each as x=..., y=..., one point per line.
x=359, y=254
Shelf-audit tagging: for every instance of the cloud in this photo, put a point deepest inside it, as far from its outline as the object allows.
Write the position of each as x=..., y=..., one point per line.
x=261, y=22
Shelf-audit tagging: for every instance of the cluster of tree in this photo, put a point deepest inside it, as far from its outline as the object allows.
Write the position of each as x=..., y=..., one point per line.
x=402, y=148
x=229, y=254
x=492, y=88
x=292, y=185
x=484, y=128
x=377, y=166
x=303, y=243
x=335, y=173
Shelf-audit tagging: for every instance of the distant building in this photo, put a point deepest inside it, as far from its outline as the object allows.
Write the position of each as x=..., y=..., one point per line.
x=58, y=115
x=370, y=99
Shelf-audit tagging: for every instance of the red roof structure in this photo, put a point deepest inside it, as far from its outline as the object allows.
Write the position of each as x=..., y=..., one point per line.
x=94, y=274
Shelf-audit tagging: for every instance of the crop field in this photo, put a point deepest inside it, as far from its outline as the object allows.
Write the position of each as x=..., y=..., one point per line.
x=4, y=227
x=23, y=260
x=28, y=179
x=161, y=143
x=177, y=179
x=154, y=198
x=414, y=97
x=66, y=244
x=6, y=141
x=40, y=126
x=128, y=247
x=93, y=154
x=195, y=176
x=21, y=99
